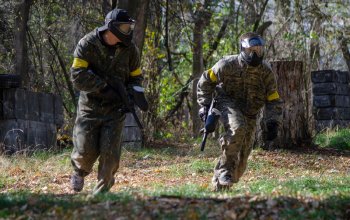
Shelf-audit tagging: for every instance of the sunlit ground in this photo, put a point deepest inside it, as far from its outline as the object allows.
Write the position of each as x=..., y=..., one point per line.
x=174, y=180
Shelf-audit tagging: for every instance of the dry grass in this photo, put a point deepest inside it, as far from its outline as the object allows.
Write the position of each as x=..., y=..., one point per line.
x=149, y=168
x=157, y=179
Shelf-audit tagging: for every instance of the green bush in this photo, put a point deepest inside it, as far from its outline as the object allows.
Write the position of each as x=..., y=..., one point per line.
x=339, y=139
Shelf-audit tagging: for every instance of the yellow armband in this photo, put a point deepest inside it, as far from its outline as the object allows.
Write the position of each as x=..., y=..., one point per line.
x=79, y=63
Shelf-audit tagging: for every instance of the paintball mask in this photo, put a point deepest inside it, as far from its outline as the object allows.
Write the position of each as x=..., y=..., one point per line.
x=252, y=50
x=120, y=24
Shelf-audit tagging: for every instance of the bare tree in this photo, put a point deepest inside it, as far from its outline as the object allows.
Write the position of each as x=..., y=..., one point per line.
x=137, y=9
x=201, y=19
x=106, y=6
x=20, y=42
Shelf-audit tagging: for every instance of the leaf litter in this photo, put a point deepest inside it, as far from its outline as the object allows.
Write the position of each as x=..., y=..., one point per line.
x=152, y=190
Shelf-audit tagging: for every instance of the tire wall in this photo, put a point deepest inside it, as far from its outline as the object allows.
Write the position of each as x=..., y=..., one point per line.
x=331, y=99
x=28, y=120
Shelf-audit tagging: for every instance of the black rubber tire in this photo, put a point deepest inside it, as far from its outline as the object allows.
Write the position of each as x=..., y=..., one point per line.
x=10, y=81
x=328, y=76
x=331, y=89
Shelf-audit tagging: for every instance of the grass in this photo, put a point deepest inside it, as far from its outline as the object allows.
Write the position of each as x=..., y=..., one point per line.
x=338, y=138
x=172, y=183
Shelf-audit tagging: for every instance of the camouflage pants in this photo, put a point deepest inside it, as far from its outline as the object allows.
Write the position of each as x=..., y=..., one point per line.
x=97, y=137
x=236, y=143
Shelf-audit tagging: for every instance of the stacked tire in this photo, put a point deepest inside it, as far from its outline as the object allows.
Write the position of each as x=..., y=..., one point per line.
x=331, y=99
x=10, y=81
x=28, y=120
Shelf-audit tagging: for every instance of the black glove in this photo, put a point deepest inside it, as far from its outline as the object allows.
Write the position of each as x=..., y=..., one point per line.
x=203, y=112
x=272, y=130
x=137, y=97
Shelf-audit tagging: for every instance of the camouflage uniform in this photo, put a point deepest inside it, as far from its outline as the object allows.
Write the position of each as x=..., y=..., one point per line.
x=242, y=90
x=99, y=123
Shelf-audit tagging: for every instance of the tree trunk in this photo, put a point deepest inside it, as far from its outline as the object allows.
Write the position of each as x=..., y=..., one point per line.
x=137, y=9
x=202, y=20
x=294, y=130
x=128, y=5
x=20, y=42
x=215, y=45
x=106, y=7
x=141, y=23
x=345, y=50
x=197, y=70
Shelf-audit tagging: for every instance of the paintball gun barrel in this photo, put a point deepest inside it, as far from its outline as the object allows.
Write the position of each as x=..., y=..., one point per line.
x=211, y=121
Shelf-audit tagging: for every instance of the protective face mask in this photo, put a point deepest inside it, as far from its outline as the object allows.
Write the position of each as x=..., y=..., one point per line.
x=125, y=38
x=253, y=59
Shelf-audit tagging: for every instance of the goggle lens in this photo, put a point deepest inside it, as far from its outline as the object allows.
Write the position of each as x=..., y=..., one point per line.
x=124, y=27
x=259, y=50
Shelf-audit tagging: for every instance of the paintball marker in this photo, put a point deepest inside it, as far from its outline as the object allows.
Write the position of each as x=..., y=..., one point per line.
x=211, y=121
x=119, y=87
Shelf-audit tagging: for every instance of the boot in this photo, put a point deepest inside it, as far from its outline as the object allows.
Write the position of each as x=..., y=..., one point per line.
x=219, y=187
x=77, y=182
x=225, y=180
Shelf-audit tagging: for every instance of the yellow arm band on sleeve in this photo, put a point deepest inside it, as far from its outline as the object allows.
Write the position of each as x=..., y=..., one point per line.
x=79, y=63
x=212, y=75
x=136, y=72
x=273, y=96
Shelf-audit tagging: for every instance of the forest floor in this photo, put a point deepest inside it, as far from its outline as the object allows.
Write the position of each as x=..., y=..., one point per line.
x=173, y=182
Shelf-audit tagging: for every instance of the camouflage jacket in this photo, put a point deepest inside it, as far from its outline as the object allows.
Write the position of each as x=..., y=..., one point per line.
x=94, y=62
x=250, y=87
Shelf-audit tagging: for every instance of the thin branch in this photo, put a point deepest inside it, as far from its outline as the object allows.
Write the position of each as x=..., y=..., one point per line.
x=215, y=45
x=31, y=38
x=345, y=50
x=261, y=29
x=184, y=54
x=59, y=91
x=183, y=94
x=167, y=36
x=257, y=22
x=272, y=42
x=63, y=67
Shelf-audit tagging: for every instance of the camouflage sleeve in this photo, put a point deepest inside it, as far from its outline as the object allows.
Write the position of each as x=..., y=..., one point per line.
x=273, y=100
x=207, y=82
x=135, y=77
x=82, y=77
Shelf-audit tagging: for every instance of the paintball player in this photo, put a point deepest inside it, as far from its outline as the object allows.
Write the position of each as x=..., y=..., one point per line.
x=242, y=85
x=108, y=52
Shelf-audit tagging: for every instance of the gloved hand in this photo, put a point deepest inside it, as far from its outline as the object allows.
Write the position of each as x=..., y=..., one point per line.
x=203, y=112
x=137, y=97
x=272, y=130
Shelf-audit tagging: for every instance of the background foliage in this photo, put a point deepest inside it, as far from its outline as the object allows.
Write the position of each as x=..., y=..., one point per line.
x=312, y=31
